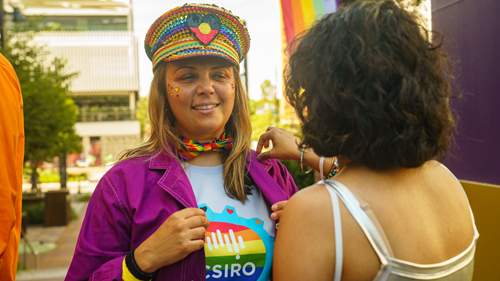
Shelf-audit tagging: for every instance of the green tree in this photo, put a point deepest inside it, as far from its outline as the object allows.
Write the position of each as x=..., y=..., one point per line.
x=264, y=112
x=49, y=113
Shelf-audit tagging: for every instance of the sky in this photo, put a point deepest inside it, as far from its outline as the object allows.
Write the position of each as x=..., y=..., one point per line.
x=263, y=23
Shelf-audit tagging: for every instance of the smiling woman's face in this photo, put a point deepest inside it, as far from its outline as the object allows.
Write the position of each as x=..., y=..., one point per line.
x=201, y=96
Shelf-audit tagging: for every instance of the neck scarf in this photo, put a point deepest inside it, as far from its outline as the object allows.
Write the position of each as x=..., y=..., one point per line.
x=190, y=149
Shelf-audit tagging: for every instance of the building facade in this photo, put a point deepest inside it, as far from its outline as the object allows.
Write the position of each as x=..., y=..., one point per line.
x=95, y=38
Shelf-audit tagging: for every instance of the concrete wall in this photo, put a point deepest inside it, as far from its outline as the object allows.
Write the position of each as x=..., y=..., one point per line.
x=115, y=144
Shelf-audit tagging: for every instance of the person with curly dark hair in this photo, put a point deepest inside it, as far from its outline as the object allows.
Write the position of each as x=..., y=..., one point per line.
x=372, y=89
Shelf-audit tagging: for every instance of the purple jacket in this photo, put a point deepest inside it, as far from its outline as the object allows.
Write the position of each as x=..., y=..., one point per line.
x=134, y=198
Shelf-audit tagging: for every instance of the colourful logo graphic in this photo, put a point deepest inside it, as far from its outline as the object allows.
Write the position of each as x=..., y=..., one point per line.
x=237, y=248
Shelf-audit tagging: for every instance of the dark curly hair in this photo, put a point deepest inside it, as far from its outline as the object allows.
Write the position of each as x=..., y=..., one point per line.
x=368, y=84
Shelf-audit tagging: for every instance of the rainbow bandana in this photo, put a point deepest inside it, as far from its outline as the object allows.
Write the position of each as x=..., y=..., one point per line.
x=194, y=30
x=190, y=149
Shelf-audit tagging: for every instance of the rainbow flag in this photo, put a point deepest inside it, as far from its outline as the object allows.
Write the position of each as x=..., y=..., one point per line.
x=299, y=15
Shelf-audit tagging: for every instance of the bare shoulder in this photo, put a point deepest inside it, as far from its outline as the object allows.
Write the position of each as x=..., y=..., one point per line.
x=306, y=220
x=313, y=199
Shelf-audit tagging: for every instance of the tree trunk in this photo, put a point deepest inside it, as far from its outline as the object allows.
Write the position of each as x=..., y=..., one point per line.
x=34, y=175
x=62, y=170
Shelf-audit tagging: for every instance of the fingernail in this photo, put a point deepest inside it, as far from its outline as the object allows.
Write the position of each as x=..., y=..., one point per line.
x=273, y=216
x=274, y=207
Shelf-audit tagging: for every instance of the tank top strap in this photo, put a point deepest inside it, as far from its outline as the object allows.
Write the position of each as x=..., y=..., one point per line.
x=361, y=212
x=337, y=223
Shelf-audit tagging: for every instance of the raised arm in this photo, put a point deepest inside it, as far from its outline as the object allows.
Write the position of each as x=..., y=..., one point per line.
x=285, y=147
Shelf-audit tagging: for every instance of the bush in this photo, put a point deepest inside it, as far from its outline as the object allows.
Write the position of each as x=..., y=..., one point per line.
x=80, y=177
x=84, y=198
x=301, y=180
x=48, y=175
x=74, y=216
x=35, y=213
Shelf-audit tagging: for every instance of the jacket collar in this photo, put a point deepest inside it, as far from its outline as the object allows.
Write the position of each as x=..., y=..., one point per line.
x=174, y=180
x=260, y=174
x=176, y=183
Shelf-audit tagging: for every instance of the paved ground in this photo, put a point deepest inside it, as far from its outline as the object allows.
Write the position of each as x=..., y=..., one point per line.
x=53, y=263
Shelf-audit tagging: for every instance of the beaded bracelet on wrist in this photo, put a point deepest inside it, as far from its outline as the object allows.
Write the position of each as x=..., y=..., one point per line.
x=302, y=165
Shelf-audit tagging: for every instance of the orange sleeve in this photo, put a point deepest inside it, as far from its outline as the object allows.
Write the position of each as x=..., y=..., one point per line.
x=11, y=168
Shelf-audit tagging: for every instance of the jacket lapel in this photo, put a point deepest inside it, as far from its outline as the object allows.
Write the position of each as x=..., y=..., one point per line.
x=174, y=180
x=260, y=174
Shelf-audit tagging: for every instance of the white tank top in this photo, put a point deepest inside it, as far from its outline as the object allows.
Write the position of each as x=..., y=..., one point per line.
x=458, y=268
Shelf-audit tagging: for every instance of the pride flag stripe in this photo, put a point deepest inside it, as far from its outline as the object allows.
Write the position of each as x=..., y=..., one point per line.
x=224, y=227
x=299, y=15
x=251, y=247
x=259, y=260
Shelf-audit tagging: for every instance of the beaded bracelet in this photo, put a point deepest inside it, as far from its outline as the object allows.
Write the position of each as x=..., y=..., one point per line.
x=135, y=269
x=334, y=169
x=301, y=163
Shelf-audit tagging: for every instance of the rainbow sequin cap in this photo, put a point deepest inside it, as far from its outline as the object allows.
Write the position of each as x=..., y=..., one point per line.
x=194, y=30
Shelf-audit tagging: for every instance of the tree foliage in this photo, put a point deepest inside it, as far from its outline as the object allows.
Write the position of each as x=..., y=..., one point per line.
x=49, y=113
x=264, y=112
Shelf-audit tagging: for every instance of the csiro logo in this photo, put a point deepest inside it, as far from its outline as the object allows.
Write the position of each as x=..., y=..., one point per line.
x=237, y=248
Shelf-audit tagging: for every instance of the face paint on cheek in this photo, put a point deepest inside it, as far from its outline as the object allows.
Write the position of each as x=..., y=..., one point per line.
x=172, y=87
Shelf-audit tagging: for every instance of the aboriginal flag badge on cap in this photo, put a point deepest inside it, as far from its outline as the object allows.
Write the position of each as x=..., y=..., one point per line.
x=195, y=30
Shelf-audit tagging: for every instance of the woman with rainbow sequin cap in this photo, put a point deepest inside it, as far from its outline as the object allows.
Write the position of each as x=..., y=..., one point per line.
x=192, y=202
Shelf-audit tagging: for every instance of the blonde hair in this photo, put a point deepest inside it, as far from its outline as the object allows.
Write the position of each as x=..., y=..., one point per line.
x=163, y=134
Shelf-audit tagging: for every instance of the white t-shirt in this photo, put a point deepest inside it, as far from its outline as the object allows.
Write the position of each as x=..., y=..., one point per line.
x=240, y=240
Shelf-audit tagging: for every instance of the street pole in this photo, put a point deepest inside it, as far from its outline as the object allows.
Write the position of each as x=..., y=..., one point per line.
x=62, y=170
x=3, y=31
x=245, y=66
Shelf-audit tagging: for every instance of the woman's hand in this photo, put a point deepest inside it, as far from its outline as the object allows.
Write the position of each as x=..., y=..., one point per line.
x=277, y=210
x=181, y=234
x=285, y=145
